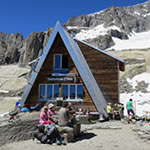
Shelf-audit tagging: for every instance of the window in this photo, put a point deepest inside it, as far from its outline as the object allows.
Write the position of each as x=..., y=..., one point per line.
x=49, y=91
x=65, y=91
x=64, y=61
x=68, y=91
x=42, y=91
x=72, y=92
x=60, y=61
x=56, y=91
x=57, y=62
x=80, y=91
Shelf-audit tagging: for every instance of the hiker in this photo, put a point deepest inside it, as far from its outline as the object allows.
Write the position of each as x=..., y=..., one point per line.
x=121, y=110
x=87, y=112
x=110, y=111
x=64, y=115
x=130, y=111
x=44, y=116
x=17, y=110
x=116, y=112
x=25, y=109
x=37, y=107
x=18, y=106
x=71, y=109
x=51, y=112
x=65, y=119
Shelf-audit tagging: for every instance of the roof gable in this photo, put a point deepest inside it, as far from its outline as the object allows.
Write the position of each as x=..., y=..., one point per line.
x=80, y=63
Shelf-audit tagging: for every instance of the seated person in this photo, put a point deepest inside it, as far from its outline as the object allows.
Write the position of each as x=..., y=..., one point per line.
x=87, y=112
x=63, y=115
x=18, y=106
x=37, y=107
x=65, y=119
x=51, y=112
x=25, y=109
x=71, y=109
x=44, y=116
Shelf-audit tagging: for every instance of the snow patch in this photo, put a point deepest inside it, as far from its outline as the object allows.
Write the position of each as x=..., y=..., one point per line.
x=146, y=15
x=137, y=13
x=2, y=115
x=95, y=32
x=138, y=78
x=135, y=41
x=4, y=91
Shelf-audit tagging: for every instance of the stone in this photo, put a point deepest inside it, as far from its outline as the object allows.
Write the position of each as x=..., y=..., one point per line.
x=67, y=131
x=19, y=129
x=83, y=119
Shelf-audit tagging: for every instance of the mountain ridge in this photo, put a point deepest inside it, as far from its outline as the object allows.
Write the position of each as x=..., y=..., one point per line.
x=101, y=29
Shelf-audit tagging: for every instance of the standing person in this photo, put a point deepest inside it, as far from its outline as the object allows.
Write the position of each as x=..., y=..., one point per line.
x=130, y=111
x=121, y=110
x=109, y=111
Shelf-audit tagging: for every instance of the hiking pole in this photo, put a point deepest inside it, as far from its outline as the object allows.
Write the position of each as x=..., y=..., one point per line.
x=135, y=107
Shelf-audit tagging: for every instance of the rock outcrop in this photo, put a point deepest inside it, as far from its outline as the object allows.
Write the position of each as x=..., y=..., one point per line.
x=102, y=42
x=31, y=47
x=133, y=18
x=9, y=47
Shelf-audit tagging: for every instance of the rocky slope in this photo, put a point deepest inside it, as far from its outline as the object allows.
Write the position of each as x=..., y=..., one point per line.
x=15, y=49
x=133, y=18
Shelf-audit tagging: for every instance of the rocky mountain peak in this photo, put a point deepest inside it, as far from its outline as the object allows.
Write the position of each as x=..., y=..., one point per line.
x=99, y=29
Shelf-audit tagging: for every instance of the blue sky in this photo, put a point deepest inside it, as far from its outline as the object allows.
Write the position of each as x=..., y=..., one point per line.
x=26, y=16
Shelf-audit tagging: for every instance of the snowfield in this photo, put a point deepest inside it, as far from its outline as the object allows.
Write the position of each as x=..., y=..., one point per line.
x=95, y=32
x=135, y=41
x=141, y=100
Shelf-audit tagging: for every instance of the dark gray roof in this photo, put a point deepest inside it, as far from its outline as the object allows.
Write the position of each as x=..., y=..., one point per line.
x=80, y=63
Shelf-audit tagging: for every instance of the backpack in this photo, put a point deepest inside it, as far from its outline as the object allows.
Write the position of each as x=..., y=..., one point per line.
x=50, y=129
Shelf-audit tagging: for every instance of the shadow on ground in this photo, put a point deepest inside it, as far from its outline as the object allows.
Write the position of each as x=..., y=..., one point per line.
x=85, y=136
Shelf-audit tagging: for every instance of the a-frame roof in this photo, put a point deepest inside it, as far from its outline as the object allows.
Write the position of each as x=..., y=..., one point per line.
x=80, y=63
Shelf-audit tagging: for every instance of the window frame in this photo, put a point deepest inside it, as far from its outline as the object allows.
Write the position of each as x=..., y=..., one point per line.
x=54, y=62
x=45, y=97
x=76, y=97
x=54, y=99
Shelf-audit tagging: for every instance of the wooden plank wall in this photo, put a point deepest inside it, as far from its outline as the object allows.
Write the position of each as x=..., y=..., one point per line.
x=105, y=70
x=58, y=47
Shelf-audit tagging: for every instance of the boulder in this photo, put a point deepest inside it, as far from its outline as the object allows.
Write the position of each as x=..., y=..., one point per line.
x=20, y=129
x=68, y=131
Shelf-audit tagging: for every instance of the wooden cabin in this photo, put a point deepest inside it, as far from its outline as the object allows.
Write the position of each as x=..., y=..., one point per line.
x=74, y=71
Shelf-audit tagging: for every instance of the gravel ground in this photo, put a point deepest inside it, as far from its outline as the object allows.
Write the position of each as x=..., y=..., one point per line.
x=96, y=139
